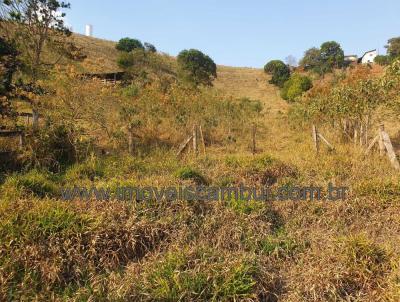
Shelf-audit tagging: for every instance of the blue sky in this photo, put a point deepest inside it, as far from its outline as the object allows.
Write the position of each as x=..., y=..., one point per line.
x=239, y=32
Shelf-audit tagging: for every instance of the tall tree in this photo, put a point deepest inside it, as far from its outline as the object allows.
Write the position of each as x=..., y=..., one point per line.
x=332, y=55
x=393, y=47
x=37, y=29
x=324, y=59
x=8, y=66
x=312, y=60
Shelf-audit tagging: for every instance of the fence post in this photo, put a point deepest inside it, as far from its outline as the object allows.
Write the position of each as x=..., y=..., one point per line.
x=253, y=134
x=21, y=140
x=202, y=139
x=130, y=140
x=390, y=151
x=195, y=140
x=381, y=144
x=35, y=119
x=315, y=138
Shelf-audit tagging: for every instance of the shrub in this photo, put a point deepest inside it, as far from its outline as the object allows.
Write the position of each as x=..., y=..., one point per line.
x=295, y=86
x=150, y=47
x=52, y=147
x=128, y=44
x=196, y=67
x=382, y=60
x=187, y=173
x=280, y=72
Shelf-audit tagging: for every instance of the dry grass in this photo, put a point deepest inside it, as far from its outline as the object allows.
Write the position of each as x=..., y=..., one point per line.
x=192, y=251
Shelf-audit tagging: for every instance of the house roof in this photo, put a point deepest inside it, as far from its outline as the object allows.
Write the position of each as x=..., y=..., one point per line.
x=368, y=52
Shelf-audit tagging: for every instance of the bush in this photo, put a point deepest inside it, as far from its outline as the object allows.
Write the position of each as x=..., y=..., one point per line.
x=150, y=47
x=187, y=173
x=280, y=72
x=382, y=60
x=53, y=147
x=295, y=86
x=196, y=67
x=128, y=44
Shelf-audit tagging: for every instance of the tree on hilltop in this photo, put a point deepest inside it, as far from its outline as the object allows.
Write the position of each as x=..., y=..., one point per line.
x=280, y=72
x=196, y=68
x=128, y=44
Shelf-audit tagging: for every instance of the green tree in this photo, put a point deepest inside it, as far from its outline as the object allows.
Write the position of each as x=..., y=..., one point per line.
x=197, y=68
x=150, y=47
x=332, y=55
x=295, y=86
x=128, y=44
x=393, y=47
x=383, y=60
x=37, y=25
x=312, y=60
x=8, y=65
x=280, y=72
x=36, y=28
x=324, y=59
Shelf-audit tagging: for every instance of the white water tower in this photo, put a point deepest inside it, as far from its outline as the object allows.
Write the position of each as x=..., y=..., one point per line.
x=89, y=30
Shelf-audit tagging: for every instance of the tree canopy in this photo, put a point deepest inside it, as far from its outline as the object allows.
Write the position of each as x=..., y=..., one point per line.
x=196, y=67
x=393, y=47
x=128, y=44
x=295, y=86
x=324, y=59
x=280, y=72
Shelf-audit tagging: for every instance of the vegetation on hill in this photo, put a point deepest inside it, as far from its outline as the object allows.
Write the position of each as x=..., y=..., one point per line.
x=126, y=134
x=196, y=68
x=393, y=52
x=279, y=72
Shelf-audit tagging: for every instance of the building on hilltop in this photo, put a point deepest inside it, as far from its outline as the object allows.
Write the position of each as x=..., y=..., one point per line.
x=368, y=57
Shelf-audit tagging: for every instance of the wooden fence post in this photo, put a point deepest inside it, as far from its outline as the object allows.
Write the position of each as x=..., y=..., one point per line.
x=253, y=134
x=381, y=144
x=390, y=151
x=130, y=141
x=362, y=129
x=35, y=119
x=21, y=140
x=355, y=134
x=195, y=140
x=315, y=138
x=184, y=145
x=202, y=139
x=325, y=141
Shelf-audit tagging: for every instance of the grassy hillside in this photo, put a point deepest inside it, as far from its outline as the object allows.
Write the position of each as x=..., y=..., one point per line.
x=237, y=250
x=101, y=54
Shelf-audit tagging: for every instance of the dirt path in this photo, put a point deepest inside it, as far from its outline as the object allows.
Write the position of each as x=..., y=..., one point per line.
x=276, y=137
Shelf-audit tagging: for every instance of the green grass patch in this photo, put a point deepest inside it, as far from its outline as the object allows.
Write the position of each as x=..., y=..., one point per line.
x=188, y=173
x=33, y=183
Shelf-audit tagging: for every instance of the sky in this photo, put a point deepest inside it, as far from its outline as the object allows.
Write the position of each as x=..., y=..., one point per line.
x=239, y=32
